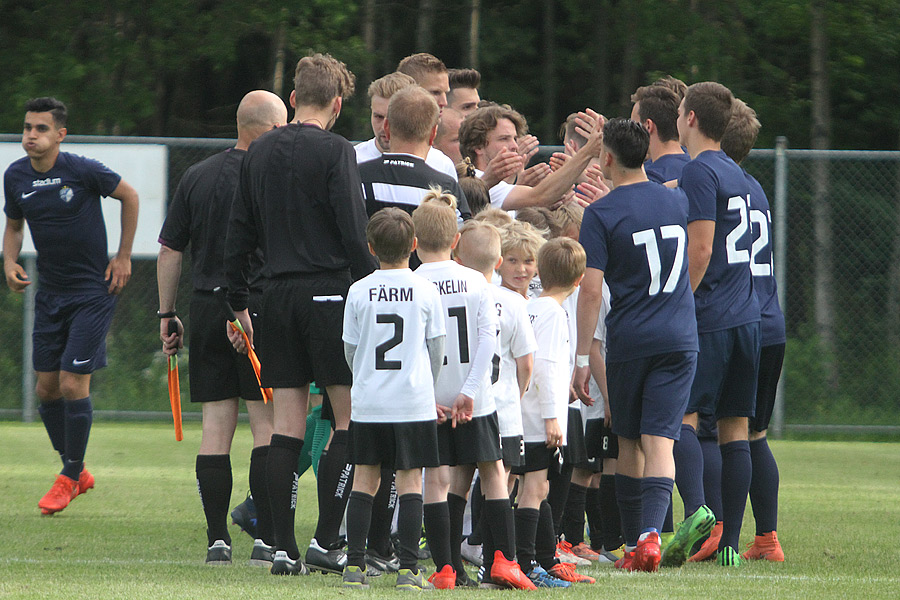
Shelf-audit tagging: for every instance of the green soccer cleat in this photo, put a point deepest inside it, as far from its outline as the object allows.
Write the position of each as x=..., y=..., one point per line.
x=414, y=582
x=354, y=578
x=689, y=532
x=729, y=557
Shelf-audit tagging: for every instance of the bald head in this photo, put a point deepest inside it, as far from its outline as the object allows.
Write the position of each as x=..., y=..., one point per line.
x=258, y=112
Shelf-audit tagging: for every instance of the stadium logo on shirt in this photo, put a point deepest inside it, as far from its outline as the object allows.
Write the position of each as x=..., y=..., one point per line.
x=66, y=194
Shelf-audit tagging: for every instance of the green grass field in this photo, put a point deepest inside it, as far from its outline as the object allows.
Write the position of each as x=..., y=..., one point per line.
x=140, y=533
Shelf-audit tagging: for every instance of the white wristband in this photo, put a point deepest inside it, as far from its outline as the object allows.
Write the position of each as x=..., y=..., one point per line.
x=582, y=360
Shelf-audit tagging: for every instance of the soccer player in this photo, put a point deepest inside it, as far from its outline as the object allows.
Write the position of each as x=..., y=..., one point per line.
x=738, y=140
x=394, y=342
x=380, y=92
x=521, y=244
x=198, y=216
x=58, y=193
x=299, y=199
x=718, y=252
x=489, y=138
x=545, y=408
x=402, y=177
x=635, y=240
x=447, y=138
x=430, y=73
x=656, y=108
x=463, y=95
x=468, y=429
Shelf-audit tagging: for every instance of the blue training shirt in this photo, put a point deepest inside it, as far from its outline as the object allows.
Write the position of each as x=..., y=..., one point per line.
x=718, y=191
x=667, y=167
x=637, y=235
x=762, y=267
x=63, y=211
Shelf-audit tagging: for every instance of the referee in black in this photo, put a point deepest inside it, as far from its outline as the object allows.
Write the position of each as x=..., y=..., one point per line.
x=198, y=217
x=300, y=201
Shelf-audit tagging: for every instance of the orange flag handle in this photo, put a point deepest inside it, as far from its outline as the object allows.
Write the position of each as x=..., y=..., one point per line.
x=175, y=387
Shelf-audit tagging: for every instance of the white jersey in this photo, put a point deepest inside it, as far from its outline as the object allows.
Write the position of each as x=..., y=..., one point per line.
x=435, y=159
x=597, y=410
x=515, y=340
x=535, y=287
x=388, y=316
x=499, y=192
x=471, y=322
x=548, y=395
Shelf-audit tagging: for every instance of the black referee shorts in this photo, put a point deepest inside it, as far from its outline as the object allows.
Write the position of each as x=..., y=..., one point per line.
x=302, y=324
x=217, y=371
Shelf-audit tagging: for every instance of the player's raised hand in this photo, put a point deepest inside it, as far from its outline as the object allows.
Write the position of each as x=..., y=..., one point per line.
x=463, y=407
x=528, y=146
x=118, y=272
x=557, y=160
x=533, y=175
x=589, y=123
x=172, y=342
x=17, y=278
x=506, y=164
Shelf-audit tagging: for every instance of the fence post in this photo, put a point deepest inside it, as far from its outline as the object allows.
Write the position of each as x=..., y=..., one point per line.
x=780, y=260
x=27, y=345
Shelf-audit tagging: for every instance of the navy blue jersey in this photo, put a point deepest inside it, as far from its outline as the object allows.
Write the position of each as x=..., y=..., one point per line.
x=62, y=208
x=717, y=191
x=667, y=167
x=637, y=235
x=762, y=266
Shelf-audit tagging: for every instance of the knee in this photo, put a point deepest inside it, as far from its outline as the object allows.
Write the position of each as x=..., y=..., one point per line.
x=72, y=386
x=47, y=391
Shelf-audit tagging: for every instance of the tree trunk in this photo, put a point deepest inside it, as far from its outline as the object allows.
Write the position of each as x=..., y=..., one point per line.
x=278, y=71
x=424, y=26
x=630, y=58
x=549, y=80
x=822, y=226
x=369, y=39
x=474, y=27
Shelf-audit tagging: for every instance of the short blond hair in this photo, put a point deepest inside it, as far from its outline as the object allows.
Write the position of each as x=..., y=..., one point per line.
x=541, y=218
x=412, y=114
x=567, y=215
x=493, y=215
x=390, y=84
x=435, y=220
x=479, y=246
x=421, y=64
x=518, y=236
x=741, y=133
x=561, y=261
x=319, y=78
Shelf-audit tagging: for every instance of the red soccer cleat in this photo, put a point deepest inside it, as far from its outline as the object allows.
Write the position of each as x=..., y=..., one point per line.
x=625, y=561
x=710, y=547
x=59, y=496
x=765, y=546
x=567, y=572
x=445, y=579
x=85, y=481
x=508, y=573
x=647, y=554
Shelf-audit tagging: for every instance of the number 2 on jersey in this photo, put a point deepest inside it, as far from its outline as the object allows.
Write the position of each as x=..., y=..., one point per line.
x=382, y=364
x=647, y=239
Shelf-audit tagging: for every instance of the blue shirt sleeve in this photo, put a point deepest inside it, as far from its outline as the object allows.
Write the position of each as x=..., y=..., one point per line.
x=593, y=237
x=98, y=177
x=699, y=183
x=11, y=207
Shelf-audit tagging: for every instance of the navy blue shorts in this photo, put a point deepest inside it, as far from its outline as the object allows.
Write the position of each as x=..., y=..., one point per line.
x=727, y=368
x=70, y=331
x=648, y=396
x=771, y=359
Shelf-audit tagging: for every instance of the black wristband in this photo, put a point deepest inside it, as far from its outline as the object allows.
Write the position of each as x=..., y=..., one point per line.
x=166, y=315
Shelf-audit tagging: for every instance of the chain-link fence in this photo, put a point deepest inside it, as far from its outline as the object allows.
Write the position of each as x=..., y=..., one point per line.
x=836, y=221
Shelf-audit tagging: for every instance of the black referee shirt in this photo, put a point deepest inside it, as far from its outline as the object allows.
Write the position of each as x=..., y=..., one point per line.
x=198, y=216
x=299, y=199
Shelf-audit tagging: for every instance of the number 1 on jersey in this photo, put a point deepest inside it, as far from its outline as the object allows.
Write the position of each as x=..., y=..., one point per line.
x=647, y=239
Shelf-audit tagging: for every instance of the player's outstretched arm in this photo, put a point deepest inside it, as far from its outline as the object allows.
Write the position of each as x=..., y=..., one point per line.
x=16, y=277
x=590, y=299
x=118, y=272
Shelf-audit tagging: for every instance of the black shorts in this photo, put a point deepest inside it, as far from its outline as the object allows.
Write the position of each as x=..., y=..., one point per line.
x=727, y=369
x=537, y=457
x=513, y=449
x=301, y=325
x=771, y=359
x=70, y=331
x=470, y=443
x=707, y=429
x=574, y=452
x=399, y=446
x=217, y=371
x=599, y=440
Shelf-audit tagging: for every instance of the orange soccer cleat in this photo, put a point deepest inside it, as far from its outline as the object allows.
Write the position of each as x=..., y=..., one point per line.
x=765, y=546
x=63, y=491
x=508, y=573
x=567, y=572
x=445, y=579
x=647, y=554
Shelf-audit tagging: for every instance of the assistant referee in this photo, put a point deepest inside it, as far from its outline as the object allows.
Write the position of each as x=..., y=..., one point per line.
x=299, y=199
